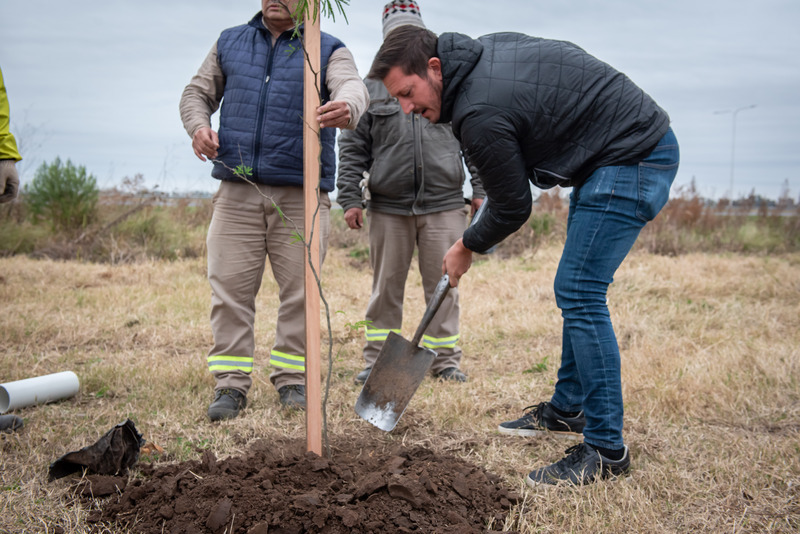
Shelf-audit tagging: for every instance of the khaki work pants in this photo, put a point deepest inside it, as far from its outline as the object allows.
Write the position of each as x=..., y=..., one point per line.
x=392, y=239
x=246, y=229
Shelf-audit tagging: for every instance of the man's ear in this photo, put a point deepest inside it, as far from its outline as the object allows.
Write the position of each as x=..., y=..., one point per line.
x=435, y=68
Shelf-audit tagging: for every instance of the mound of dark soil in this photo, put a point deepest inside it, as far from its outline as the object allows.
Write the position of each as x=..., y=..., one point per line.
x=277, y=487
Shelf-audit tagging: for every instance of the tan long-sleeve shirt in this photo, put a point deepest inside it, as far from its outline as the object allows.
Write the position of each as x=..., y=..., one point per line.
x=202, y=97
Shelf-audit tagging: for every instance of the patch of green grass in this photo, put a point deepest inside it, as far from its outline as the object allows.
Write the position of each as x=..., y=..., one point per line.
x=359, y=253
x=539, y=367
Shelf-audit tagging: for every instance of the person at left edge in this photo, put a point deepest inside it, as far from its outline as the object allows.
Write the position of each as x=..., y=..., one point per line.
x=9, y=154
x=256, y=71
x=9, y=186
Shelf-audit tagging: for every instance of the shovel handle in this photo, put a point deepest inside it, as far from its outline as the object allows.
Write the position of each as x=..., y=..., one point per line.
x=433, y=306
x=442, y=287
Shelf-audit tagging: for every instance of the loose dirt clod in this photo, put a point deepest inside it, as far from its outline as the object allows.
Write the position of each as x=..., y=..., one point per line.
x=278, y=488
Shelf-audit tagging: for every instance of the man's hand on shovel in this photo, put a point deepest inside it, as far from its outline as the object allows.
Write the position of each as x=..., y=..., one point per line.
x=456, y=262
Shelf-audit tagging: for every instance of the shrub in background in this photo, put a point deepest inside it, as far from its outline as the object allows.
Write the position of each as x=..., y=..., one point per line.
x=136, y=224
x=156, y=232
x=63, y=194
x=689, y=223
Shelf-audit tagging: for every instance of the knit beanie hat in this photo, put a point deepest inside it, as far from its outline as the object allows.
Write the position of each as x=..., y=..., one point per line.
x=397, y=14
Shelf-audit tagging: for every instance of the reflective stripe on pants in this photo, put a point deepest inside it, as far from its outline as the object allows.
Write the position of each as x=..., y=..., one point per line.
x=392, y=240
x=246, y=230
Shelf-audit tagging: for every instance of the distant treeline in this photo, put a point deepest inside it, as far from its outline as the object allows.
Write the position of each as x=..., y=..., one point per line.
x=136, y=224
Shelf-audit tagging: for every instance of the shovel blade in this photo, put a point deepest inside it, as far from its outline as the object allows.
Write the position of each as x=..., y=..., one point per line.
x=398, y=371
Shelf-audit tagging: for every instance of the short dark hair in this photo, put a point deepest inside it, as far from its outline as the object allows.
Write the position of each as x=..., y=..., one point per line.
x=408, y=47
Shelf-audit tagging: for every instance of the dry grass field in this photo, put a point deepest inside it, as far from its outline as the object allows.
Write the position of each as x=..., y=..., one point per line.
x=711, y=369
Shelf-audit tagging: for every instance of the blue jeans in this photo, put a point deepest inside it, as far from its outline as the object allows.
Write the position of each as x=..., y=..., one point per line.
x=606, y=214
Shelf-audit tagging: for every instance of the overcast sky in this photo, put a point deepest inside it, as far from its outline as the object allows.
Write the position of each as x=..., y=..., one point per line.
x=98, y=82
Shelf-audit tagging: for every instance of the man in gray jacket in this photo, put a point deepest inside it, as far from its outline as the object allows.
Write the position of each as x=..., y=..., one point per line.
x=538, y=111
x=415, y=190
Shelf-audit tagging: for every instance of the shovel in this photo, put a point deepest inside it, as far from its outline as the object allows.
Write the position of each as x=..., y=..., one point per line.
x=399, y=370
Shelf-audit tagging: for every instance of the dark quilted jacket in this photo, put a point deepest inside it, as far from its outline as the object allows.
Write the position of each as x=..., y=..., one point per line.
x=531, y=110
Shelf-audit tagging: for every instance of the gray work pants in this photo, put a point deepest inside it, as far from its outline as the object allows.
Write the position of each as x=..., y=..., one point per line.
x=392, y=239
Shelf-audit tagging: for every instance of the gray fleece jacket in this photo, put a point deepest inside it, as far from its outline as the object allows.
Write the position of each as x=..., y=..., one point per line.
x=415, y=167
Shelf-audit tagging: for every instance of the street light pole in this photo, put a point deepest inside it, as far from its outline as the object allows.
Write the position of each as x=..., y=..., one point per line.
x=733, y=137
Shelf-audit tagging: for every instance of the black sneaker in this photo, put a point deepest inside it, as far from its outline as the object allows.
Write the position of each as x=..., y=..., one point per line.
x=542, y=418
x=361, y=377
x=227, y=404
x=293, y=396
x=451, y=374
x=581, y=465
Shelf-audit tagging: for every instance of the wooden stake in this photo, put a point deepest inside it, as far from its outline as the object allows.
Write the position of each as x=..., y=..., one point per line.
x=311, y=156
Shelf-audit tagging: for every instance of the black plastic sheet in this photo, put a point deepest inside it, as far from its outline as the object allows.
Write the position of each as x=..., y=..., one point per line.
x=113, y=454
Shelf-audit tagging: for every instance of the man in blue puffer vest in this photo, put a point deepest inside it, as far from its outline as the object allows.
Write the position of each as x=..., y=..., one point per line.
x=256, y=71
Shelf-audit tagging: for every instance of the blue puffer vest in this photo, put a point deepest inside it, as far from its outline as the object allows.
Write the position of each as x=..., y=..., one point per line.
x=261, y=119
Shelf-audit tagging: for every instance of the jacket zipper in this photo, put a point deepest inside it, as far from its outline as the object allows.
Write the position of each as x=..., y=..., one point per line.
x=262, y=98
x=416, y=131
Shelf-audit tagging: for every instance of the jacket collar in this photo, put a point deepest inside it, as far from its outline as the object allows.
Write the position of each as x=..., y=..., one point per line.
x=459, y=53
x=257, y=22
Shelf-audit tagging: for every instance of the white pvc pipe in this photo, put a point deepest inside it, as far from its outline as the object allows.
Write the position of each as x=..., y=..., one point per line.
x=38, y=390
